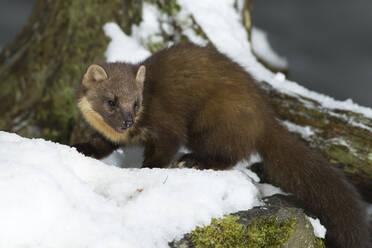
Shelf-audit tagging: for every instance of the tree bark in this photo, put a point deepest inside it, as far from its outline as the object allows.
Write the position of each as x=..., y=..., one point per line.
x=41, y=67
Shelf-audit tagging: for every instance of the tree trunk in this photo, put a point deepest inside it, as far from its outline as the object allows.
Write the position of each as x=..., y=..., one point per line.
x=41, y=68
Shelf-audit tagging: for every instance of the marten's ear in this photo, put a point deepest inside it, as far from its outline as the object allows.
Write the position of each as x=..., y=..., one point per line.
x=94, y=74
x=140, y=77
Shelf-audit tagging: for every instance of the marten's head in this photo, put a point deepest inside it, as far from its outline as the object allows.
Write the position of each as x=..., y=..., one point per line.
x=111, y=98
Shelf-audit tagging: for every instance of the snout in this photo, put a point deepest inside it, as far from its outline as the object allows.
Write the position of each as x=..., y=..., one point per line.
x=126, y=120
x=128, y=123
x=125, y=125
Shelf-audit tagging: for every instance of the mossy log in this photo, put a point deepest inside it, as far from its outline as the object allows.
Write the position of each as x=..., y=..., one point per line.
x=41, y=67
x=278, y=223
x=344, y=137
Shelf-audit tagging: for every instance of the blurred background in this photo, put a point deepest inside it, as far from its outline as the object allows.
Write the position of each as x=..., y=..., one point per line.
x=328, y=44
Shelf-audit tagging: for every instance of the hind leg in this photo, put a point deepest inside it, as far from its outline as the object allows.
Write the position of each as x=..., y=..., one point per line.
x=209, y=152
x=217, y=138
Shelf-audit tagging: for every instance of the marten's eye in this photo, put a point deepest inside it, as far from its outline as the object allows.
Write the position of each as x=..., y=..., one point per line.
x=111, y=103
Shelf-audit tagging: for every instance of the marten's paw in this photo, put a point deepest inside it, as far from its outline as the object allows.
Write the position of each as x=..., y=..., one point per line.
x=86, y=148
x=189, y=161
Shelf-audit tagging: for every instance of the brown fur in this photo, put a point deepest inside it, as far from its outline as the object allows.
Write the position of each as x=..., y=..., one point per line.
x=199, y=98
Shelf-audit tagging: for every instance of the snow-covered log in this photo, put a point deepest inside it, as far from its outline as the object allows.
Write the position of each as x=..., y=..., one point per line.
x=40, y=69
x=343, y=136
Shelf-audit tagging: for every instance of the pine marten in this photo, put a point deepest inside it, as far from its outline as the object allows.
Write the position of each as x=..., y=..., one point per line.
x=197, y=97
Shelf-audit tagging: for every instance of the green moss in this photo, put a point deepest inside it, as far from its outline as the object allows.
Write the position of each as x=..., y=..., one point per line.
x=169, y=7
x=155, y=46
x=282, y=96
x=199, y=31
x=221, y=233
x=155, y=42
x=270, y=232
x=319, y=243
x=351, y=153
x=227, y=232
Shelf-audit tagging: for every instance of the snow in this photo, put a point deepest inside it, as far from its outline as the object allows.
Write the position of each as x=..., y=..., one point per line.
x=149, y=29
x=305, y=131
x=52, y=196
x=122, y=47
x=133, y=156
x=222, y=24
x=267, y=190
x=351, y=121
x=369, y=210
x=263, y=49
x=319, y=229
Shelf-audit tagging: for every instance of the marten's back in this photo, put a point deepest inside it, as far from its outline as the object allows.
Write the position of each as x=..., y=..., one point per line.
x=189, y=89
x=191, y=66
x=187, y=76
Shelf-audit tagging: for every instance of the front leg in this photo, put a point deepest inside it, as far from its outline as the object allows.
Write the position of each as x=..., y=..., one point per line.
x=97, y=147
x=160, y=152
x=195, y=161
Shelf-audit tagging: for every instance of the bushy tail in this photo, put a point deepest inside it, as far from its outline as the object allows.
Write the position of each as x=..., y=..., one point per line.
x=308, y=176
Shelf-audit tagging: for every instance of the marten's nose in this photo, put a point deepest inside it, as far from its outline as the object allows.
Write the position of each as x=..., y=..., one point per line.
x=128, y=123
